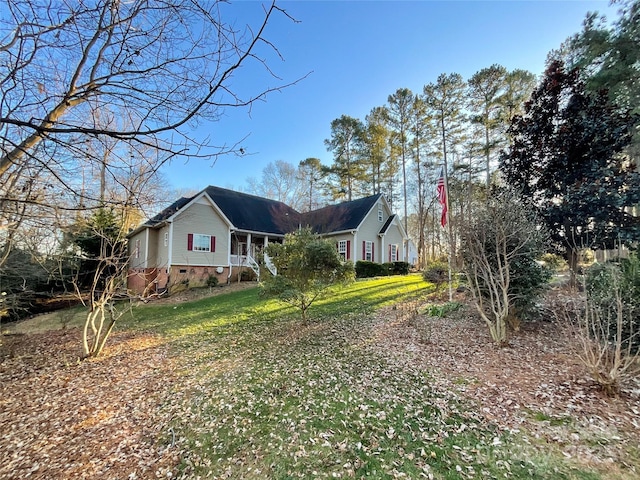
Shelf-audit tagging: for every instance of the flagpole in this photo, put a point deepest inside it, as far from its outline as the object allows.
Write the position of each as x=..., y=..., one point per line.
x=443, y=198
x=446, y=189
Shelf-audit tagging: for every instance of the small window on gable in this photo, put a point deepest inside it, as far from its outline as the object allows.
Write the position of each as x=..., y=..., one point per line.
x=136, y=252
x=380, y=214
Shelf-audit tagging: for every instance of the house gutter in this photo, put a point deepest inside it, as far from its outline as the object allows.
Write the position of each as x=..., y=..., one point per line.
x=331, y=234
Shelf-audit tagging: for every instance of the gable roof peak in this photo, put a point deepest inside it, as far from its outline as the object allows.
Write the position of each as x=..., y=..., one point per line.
x=341, y=216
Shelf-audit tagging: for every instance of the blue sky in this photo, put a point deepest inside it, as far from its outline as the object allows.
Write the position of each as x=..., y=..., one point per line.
x=357, y=53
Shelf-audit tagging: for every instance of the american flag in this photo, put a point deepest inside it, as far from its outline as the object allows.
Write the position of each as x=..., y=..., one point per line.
x=442, y=197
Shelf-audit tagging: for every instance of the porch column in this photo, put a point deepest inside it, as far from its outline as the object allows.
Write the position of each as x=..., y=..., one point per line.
x=249, y=245
x=266, y=240
x=354, y=247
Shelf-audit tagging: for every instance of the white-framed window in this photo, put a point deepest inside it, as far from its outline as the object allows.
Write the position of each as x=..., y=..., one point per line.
x=198, y=242
x=136, y=251
x=368, y=251
x=342, y=249
x=394, y=253
x=380, y=214
x=166, y=239
x=201, y=243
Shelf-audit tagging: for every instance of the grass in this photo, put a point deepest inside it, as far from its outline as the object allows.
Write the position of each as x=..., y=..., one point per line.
x=259, y=394
x=224, y=311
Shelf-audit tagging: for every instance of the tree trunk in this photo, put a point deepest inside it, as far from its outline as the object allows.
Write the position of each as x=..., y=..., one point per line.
x=572, y=260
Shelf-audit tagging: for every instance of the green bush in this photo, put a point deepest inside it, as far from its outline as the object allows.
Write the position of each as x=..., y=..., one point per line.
x=442, y=310
x=401, y=268
x=247, y=276
x=604, y=281
x=437, y=273
x=387, y=268
x=370, y=269
x=529, y=280
x=212, y=281
x=366, y=269
x=554, y=262
x=308, y=266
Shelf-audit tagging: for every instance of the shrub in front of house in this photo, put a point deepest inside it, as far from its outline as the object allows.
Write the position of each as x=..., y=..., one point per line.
x=387, y=269
x=401, y=268
x=247, y=276
x=366, y=269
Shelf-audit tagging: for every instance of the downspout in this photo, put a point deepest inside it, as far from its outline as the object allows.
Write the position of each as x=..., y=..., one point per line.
x=146, y=250
x=229, y=257
x=169, y=255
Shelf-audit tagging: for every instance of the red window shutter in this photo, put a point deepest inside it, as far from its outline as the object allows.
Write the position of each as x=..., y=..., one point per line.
x=389, y=252
x=213, y=243
x=337, y=246
x=348, y=249
x=190, y=241
x=373, y=257
x=364, y=250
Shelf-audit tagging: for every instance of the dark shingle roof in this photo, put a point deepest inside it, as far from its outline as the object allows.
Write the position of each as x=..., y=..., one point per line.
x=249, y=212
x=340, y=217
x=167, y=212
x=387, y=223
x=258, y=214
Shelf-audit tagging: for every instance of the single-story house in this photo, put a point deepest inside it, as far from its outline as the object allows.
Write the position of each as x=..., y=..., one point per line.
x=220, y=233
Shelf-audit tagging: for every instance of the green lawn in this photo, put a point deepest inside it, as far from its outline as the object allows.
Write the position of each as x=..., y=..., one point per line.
x=259, y=394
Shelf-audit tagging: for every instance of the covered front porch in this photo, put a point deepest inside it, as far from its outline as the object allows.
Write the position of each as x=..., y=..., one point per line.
x=248, y=250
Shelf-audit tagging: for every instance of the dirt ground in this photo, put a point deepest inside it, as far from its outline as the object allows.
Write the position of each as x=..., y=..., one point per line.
x=60, y=418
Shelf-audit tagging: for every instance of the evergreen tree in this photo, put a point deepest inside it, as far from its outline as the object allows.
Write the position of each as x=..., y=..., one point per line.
x=377, y=155
x=311, y=175
x=608, y=55
x=400, y=104
x=567, y=157
x=346, y=144
x=445, y=100
x=486, y=89
x=422, y=133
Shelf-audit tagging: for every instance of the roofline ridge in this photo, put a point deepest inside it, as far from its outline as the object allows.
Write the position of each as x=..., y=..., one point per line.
x=250, y=195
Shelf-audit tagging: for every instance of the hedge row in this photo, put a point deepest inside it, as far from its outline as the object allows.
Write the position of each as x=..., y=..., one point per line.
x=371, y=269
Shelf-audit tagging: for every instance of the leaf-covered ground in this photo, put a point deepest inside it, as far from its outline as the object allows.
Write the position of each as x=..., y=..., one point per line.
x=370, y=394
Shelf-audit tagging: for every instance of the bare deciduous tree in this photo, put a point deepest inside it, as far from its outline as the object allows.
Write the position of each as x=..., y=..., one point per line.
x=499, y=235
x=95, y=97
x=604, y=322
x=280, y=181
x=162, y=64
x=158, y=67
